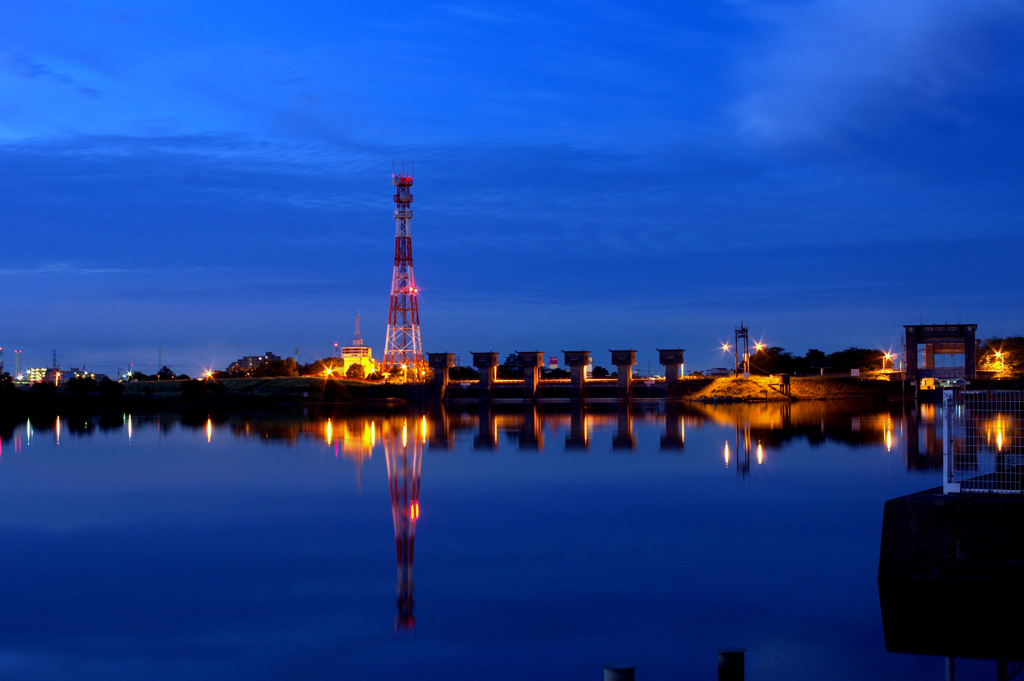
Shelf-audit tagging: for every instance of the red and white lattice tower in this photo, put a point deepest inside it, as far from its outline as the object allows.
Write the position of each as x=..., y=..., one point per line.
x=403, y=348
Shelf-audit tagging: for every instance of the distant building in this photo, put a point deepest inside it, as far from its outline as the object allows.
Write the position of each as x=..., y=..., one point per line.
x=357, y=353
x=39, y=375
x=718, y=372
x=249, y=362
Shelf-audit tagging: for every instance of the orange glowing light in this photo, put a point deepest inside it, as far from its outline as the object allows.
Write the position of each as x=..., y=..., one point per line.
x=760, y=454
x=414, y=511
x=209, y=429
x=727, y=454
x=329, y=432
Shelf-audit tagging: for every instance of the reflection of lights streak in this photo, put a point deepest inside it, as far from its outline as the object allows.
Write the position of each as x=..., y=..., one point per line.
x=57, y=430
x=423, y=430
x=328, y=432
x=726, y=453
x=888, y=439
x=996, y=428
x=760, y=453
x=405, y=433
x=209, y=429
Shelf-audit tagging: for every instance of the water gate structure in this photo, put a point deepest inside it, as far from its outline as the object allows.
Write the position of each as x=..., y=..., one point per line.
x=531, y=362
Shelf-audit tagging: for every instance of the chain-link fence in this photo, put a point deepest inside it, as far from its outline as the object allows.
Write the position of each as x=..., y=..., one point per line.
x=983, y=449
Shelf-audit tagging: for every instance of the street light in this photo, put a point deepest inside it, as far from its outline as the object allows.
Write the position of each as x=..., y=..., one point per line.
x=886, y=356
x=726, y=348
x=1002, y=362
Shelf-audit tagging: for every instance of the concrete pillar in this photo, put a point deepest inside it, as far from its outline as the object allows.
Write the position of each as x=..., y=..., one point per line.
x=577, y=361
x=487, y=363
x=672, y=360
x=531, y=362
x=730, y=664
x=624, y=361
x=440, y=362
x=617, y=672
x=910, y=344
x=970, y=352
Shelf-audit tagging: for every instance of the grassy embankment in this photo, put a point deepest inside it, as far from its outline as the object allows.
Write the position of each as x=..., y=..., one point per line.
x=263, y=390
x=801, y=388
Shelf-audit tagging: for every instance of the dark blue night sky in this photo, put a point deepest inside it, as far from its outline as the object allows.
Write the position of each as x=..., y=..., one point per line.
x=213, y=180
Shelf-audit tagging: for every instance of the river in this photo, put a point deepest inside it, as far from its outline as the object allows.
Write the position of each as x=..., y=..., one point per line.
x=509, y=544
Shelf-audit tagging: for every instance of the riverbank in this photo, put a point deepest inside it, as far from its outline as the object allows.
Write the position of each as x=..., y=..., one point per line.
x=270, y=392
x=226, y=393
x=759, y=388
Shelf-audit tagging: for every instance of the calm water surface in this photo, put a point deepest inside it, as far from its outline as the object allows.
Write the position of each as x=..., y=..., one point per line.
x=547, y=544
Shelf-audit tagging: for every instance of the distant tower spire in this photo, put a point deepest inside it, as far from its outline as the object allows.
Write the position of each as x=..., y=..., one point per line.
x=403, y=347
x=358, y=340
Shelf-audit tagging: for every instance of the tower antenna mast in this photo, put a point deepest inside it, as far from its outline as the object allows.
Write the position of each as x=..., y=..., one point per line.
x=403, y=348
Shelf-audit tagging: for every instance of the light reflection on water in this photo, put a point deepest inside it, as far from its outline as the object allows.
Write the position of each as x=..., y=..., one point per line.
x=551, y=541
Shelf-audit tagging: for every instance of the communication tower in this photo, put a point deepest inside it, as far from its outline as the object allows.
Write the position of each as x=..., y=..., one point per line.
x=742, y=337
x=403, y=348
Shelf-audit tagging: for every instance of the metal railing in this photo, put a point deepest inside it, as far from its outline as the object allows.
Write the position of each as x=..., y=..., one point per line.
x=983, y=441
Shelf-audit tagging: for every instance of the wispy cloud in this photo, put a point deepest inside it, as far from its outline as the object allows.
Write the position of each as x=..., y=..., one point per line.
x=66, y=269
x=826, y=71
x=24, y=66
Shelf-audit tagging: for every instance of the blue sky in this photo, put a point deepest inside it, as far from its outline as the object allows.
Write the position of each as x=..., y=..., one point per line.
x=213, y=179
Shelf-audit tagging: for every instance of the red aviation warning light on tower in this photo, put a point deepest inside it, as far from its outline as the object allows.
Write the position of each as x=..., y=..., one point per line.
x=403, y=349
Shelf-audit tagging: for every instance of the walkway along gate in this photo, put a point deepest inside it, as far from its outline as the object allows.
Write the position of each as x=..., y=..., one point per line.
x=983, y=441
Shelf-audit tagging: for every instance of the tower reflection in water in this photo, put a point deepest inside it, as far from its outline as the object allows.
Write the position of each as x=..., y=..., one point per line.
x=403, y=451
